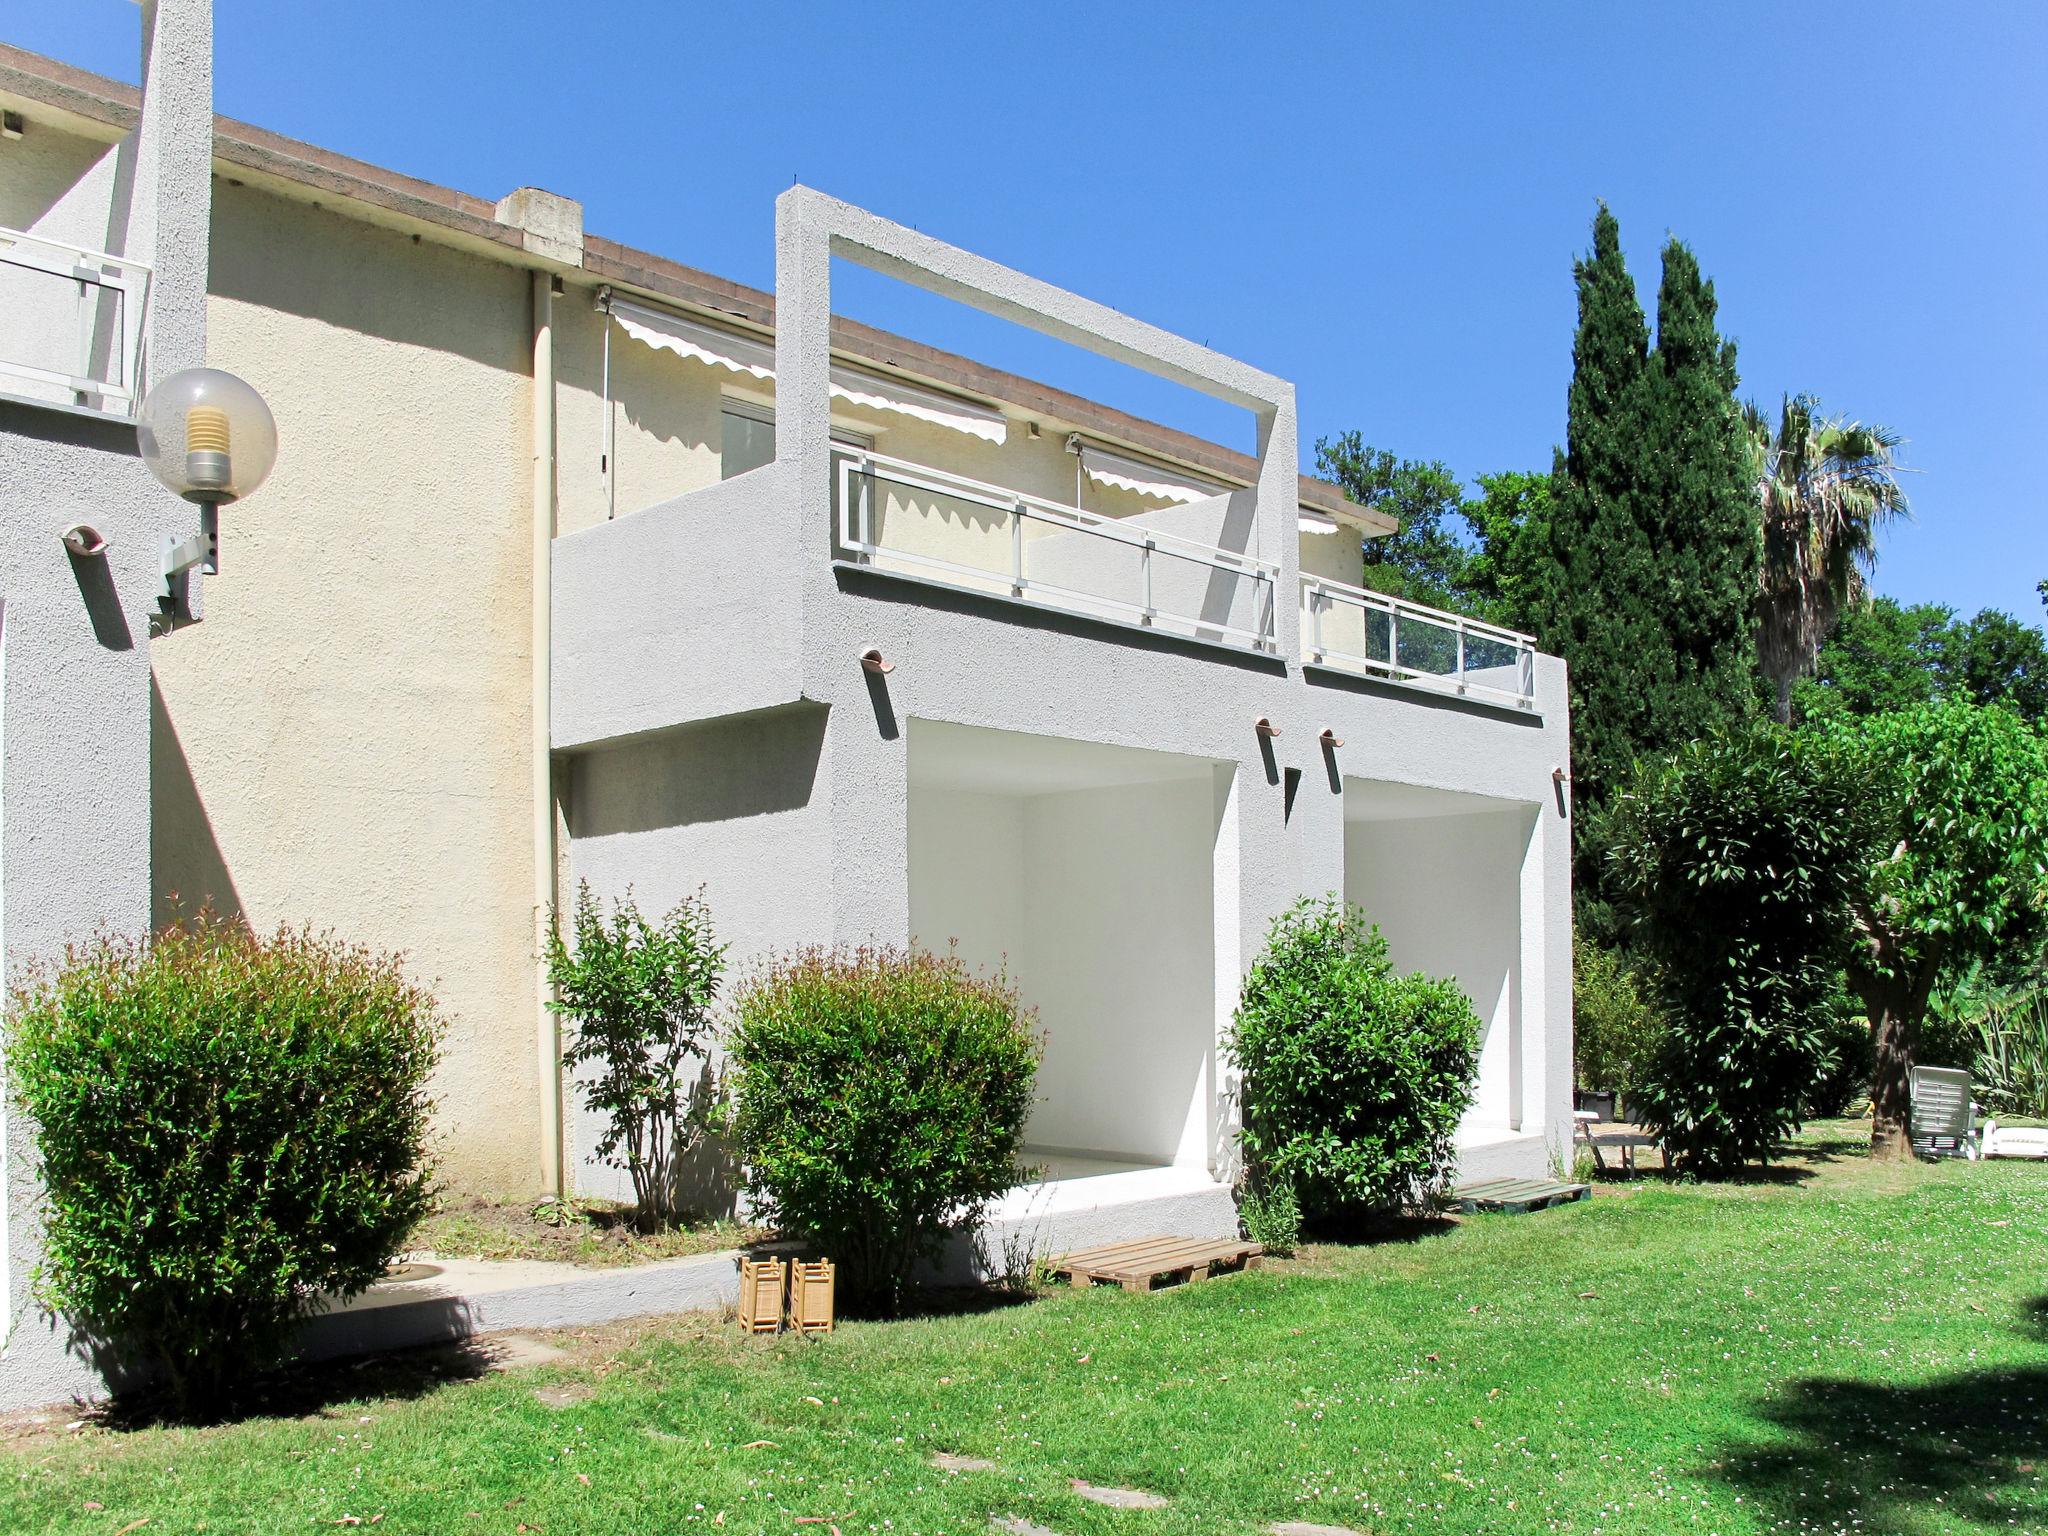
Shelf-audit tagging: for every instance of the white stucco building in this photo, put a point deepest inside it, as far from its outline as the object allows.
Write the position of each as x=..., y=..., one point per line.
x=580, y=564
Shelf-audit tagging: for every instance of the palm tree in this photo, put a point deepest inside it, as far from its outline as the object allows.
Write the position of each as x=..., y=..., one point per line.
x=1826, y=485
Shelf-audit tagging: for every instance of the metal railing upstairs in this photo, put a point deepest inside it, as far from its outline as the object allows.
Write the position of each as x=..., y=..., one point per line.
x=1357, y=630
x=914, y=519
x=70, y=323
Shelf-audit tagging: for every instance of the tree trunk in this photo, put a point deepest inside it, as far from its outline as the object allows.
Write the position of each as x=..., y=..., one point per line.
x=1893, y=1024
x=1781, y=711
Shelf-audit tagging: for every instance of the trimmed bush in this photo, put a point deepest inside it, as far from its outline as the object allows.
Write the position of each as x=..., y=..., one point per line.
x=1615, y=1023
x=878, y=1102
x=227, y=1127
x=638, y=998
x=1355, y=1079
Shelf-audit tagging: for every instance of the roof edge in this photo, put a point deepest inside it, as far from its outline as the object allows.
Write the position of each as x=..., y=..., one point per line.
x=117, y=104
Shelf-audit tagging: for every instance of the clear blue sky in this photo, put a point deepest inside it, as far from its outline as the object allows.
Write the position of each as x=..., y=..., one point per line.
x=1381, y=204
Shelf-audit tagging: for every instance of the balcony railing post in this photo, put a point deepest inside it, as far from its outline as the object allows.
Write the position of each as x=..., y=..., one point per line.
x=1145, y=570
x=1461, y=657
x=1017, y=550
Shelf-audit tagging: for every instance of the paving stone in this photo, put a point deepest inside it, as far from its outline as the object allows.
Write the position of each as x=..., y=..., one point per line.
x=1306, y=1528
x=1116, y=1498
x=504, y=1352
x=1017, y=1525
x=567, y=1395
x=946, y=1461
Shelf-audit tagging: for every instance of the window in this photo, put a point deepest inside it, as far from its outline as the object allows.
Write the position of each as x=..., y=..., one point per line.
x=747, y=437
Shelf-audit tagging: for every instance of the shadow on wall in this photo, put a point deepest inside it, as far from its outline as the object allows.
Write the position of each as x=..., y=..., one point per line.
x=721, y=771
x=1967, y=1448
x=186, y=867
x=274, y=253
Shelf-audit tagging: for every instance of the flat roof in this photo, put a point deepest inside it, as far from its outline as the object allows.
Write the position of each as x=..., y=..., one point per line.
x=243, y=151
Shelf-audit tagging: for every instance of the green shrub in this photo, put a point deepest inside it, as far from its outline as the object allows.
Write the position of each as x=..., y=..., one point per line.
x=1615, y=1023
x=1734, y=859
x=638, y=996
x=1355, y=1079
x=1270, y=1212
x=1841, y=1080
x=878, y=1102
x=227, y=1127
x=2011, y=1065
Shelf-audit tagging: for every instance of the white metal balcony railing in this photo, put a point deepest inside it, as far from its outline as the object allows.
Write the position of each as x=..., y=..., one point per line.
x=70, y=323
x=1362, y=631
x=895, y=514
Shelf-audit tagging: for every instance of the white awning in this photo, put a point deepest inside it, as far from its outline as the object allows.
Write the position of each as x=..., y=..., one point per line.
x=1313, y=521
x=1143, y=479
x=872, y=390
x=691, y=338
x=756, y=358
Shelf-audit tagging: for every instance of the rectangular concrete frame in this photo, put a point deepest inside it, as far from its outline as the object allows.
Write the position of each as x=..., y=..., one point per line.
x=811, y=228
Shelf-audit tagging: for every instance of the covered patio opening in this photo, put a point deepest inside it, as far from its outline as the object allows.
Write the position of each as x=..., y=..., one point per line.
x=1089, y=874
x=1445, y=876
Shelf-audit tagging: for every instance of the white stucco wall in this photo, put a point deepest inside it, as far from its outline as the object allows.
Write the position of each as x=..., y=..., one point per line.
x=1446, y=893
x=727, y=810
x=74, y=720
x=1097, y=902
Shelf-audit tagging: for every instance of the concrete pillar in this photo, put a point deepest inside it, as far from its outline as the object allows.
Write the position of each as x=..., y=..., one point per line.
x=173, y=190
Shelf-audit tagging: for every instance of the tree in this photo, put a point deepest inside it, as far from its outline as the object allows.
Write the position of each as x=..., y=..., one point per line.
x=1450, y=551
x=1735, y=859
x=1995, y=659
x=1424, y=559
x=1647, y=563
x=639, y=997
x=1956, y=869
x=1825, y=486
x=1882, y=656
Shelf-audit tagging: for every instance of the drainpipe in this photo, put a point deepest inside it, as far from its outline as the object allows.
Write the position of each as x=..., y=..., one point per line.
x=548, y=1035
x=550, y=229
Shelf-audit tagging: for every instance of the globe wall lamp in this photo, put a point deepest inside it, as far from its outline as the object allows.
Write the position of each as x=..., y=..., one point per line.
x=209, y=437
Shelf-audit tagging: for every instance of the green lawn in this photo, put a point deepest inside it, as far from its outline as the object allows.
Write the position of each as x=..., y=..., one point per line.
x=1853, y=1348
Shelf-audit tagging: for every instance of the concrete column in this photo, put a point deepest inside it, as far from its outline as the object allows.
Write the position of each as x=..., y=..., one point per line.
x=173, y=190
x=1279, y=489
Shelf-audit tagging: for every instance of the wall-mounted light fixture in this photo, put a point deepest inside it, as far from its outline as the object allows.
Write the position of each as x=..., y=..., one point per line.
x=871, y=658
x=84, y=541
x=1330, y=738
x=210, y=438
x=1265, y=727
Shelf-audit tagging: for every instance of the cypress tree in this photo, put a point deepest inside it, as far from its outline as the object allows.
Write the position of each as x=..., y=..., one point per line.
x=1708, y=527
x=1653, y=531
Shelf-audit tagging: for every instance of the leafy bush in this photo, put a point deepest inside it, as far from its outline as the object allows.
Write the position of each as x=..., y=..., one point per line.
x=228, y=1127
x=1734, y=858
x=638, y=996
x=1355, y=1079
x=2011, y=1067
x=878, y=1101
x=1841, y=1079
x=1615, y=1023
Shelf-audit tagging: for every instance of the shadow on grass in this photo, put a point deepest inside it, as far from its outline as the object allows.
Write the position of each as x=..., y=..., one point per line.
x=305, y=1388
x=1377, y=1227
x=1969, y=1448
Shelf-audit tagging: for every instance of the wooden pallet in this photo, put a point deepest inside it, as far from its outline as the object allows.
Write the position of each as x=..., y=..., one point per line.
x=1517, y=1196
x=1140, y=1265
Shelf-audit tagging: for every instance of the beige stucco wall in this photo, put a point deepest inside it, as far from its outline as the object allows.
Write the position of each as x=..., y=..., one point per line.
x=39, y=168
x=344, y=740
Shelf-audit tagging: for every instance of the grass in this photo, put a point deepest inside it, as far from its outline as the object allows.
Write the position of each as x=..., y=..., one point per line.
x=1842, y=1346
x=592, y=1233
